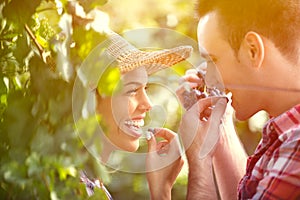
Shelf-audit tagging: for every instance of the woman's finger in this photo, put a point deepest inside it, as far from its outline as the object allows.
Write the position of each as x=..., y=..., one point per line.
x=164, y=133
x=151, y=142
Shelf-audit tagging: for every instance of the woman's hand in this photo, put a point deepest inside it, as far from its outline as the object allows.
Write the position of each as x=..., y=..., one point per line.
x=164, y=162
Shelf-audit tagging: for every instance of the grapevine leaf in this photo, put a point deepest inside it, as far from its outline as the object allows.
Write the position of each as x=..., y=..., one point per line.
x=91, y=4
x=19, y=12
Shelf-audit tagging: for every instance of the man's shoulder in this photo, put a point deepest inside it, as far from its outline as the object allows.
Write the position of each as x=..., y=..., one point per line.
x=291, y=136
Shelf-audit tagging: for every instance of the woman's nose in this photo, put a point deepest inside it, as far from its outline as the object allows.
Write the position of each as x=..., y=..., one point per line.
x=145, y=103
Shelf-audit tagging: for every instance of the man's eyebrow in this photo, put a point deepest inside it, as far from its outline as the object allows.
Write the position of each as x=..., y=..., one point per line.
x=207, y=56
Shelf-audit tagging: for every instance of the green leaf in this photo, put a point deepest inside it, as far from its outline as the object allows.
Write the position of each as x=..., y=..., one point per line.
x=18, y=121
x=19, y=12
x=109, y=82
x=23, y=49
x=65, y=171
x=43, y=142
x=34, y=165
x=13, y=172
x=90, y=4
x=53, y=196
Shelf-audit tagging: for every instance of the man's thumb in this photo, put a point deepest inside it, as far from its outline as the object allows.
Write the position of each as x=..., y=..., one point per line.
x=220, y=108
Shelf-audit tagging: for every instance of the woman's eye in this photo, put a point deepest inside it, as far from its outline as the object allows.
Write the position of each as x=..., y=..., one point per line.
x=132, y=92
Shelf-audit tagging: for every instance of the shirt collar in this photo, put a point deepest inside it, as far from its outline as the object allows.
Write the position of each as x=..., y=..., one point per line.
x=284, y=122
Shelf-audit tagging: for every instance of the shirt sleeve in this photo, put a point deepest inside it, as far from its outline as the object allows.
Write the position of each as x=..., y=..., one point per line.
x=281, y=179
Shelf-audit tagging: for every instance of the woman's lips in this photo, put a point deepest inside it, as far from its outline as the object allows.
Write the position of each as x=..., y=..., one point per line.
x=135, y=122
x=134, y=127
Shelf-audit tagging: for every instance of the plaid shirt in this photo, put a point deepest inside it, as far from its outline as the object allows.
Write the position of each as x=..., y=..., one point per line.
x=273, y=172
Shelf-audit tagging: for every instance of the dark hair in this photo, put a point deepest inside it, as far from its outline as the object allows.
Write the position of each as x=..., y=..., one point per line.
x=277, y=20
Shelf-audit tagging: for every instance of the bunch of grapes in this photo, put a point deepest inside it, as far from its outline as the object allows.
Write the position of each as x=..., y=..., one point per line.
x=191, y=96
x=46, y=31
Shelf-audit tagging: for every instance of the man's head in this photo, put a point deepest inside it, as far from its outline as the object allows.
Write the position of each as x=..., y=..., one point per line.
x=278, y=20
x=254, y=44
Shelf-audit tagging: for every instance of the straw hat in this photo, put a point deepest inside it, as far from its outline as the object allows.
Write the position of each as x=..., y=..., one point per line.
x=130, y=58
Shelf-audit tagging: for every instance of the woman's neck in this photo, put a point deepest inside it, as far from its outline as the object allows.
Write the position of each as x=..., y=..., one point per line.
x=107, y=149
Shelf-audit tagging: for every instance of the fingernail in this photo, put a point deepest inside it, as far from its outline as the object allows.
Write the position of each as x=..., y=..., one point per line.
x=148, y=135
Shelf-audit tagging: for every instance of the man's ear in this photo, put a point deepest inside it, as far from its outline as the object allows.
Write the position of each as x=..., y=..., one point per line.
x=253, y=49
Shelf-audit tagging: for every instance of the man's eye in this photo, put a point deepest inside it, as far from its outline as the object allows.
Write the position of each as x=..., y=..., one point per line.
x=213, y=59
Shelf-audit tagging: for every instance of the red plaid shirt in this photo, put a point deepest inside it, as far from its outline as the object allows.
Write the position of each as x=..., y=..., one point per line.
x=273, y=172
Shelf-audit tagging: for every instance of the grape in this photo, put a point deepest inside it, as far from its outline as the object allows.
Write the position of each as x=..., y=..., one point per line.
x=189, y=97
x=203, y=91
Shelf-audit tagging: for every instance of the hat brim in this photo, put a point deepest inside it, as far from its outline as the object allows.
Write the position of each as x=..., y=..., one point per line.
x=155, y=60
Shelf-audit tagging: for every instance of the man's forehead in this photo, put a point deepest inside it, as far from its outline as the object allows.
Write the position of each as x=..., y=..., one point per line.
x=207, y=26
x=203, y=21
x=210, y=39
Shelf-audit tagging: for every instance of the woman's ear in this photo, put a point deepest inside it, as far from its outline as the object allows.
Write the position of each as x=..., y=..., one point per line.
x=253, y=49
x=98, y=99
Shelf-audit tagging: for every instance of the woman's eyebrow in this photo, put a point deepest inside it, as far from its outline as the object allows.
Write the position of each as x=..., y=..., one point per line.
x=133, y=83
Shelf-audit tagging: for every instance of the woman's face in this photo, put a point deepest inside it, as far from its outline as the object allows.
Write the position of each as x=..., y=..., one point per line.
x=124, y=112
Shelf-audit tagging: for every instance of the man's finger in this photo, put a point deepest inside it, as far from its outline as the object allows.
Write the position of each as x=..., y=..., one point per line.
x=193, y=78
x=212, y=135
x=203, y=104
x=219, y=108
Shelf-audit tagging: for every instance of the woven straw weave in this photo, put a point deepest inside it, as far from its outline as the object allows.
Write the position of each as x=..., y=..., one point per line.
x=130, y=58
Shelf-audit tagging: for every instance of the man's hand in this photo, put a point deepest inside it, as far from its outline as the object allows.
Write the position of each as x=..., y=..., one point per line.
x=212, y=146
x=197, y=132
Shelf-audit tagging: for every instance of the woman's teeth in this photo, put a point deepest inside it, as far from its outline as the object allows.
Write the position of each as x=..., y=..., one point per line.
x=136, y=123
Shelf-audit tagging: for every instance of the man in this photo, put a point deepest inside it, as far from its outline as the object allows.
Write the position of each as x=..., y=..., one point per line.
x=255, y=46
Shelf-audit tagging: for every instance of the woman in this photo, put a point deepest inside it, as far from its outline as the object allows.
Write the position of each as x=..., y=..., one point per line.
x=122, y=109
x=125, y=108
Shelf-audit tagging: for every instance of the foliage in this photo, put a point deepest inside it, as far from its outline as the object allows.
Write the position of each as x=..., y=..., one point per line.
x=40, y=153
x=109, y=81
x=42, y=44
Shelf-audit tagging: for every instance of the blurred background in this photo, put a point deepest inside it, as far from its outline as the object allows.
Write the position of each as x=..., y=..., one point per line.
x=42, y=45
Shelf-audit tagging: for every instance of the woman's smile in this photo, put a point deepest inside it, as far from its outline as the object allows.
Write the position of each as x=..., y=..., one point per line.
x=133, y=127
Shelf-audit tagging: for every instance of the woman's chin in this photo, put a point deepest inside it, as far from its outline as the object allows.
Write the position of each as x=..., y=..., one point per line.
x=134, y=148
x=127, y=143
x=130, y=146
x=128, y=139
